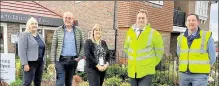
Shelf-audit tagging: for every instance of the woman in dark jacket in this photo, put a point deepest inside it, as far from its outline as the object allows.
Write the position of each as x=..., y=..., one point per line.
x=97, y=57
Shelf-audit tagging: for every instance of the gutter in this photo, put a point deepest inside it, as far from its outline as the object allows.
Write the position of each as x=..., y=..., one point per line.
x=115, y=26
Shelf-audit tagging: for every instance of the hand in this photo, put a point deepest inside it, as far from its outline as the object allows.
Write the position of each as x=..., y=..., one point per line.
x=83, y=57
x=77, y=59
x=105, y=66
x=100, y=68
x=26, y=67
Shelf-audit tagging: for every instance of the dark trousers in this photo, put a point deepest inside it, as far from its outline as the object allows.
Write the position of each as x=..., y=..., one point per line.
x=35, y=73
x=65, y=69
x=144, y=81
x=95, y=77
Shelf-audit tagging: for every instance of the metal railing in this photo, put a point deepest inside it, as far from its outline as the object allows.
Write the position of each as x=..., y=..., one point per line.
x=167, y=70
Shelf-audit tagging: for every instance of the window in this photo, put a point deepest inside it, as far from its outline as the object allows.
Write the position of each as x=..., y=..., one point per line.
x=201, y=9
x=157, y=2
x=3, y=38
x=77, y=1
x=40, y=30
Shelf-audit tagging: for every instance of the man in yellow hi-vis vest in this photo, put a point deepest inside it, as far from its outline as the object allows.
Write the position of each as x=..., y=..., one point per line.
x=196, y=52
x=145, y=49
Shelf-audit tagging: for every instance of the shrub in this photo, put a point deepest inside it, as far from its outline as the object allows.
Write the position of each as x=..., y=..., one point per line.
x=125, y=84
x=84, y=84
x=162, y=77
x=49, y=74
x=113, y=81
x=19, y=68
x=83, y=75
x=117, y=70
x=17, y=82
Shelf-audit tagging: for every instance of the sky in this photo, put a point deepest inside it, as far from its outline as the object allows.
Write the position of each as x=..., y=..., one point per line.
x=214, y=21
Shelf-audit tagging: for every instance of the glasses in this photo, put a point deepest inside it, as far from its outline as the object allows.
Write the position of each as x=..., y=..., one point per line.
x=141, y=17
x=69, y=18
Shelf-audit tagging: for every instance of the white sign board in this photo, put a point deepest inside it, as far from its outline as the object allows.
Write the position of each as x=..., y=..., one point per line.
x=7, y=67
x=14, y=38
x=81, y=65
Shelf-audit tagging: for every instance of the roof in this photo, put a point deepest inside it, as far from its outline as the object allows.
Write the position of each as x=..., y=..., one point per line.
x=27, y=7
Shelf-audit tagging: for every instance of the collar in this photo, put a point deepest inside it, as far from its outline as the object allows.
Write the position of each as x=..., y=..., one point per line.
x=196, y=33
x=64, y=26
x=135, y=28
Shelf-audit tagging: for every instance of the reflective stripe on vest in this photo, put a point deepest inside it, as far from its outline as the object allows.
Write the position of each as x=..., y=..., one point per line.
x=195, y=50
x=145, y=50
x=193, y=62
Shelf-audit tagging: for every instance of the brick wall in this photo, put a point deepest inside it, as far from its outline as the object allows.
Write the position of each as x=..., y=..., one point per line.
x=160, y=17
x=12, y=28
x=88, y=13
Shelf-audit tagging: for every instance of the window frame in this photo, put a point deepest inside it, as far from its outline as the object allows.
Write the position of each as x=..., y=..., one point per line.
x=157, y=2
x=201, y=9
x=39, y=27
x=5, y=35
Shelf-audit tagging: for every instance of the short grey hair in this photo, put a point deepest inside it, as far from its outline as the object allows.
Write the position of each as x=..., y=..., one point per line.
x=30, y=20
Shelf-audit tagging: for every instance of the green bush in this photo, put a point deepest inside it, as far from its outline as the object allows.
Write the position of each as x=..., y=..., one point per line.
x=49, y=73
x=163, y=77
x=83, y=75
x=17, y=82
x=84, y=84
x=125, y=84
x=113, y=81
x=18, y=66
x=117, y=70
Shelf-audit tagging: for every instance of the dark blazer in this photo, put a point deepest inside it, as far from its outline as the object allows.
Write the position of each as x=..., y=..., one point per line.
x=28, y=48
x=89, y=47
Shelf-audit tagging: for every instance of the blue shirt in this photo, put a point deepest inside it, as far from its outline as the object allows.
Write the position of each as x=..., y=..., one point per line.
x=69, y=46
x=41, y=48
x=211, y=48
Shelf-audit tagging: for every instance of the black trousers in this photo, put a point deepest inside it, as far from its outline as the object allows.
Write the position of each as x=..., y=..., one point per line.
x=34, y=74
x=95, y=77
x=144, y=81
x=65, y=69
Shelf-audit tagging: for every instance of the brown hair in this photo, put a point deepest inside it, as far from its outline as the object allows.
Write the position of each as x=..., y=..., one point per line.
x=194, y=15
x=142, y=11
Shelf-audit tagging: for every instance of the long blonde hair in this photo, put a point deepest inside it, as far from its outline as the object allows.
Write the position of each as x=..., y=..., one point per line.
x=96, y=26
x=30, y=20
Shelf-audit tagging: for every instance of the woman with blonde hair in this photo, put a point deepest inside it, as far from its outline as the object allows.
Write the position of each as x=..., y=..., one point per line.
x=97, y=57
x=31, y=50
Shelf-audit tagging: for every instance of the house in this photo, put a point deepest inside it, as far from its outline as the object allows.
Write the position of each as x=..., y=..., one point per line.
x=90, y=12
x=14, y=15
x=168, y=17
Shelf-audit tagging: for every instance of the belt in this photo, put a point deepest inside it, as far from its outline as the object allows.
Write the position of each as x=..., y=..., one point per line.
x=68, y=56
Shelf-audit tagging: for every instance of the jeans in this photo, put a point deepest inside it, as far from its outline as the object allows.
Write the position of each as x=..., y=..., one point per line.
x=193, y=79
x=34, y=74
x=65, y=69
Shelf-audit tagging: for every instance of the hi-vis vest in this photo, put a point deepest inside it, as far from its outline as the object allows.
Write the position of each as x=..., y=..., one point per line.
x=196, y=57
x=143, y=53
